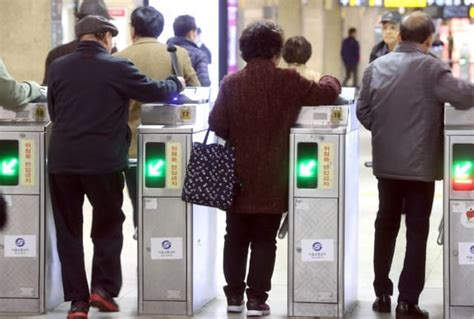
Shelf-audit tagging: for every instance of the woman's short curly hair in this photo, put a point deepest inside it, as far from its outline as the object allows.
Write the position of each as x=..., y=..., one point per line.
x=262, y=39
x=297, y=50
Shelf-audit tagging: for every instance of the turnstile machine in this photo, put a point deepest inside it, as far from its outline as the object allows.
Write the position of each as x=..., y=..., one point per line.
x=176, y=240
x=323, y=212
x=30, y=273
x=459, y=213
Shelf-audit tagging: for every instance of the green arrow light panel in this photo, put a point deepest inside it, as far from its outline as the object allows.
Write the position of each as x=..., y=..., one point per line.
x=307, y=165
x=463, y=167
x=9, y=162
x=155, y=165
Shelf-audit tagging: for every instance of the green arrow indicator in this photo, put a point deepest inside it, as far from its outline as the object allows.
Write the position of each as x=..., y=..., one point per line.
x=8, y=167
x=462, y=170
x=154, y=168
x=307, y=169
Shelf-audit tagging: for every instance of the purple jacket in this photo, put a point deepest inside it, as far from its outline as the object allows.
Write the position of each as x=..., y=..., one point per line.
x=350, y=51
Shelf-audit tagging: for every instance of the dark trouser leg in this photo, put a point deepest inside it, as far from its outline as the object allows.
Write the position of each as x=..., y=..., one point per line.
x=264, y=229
x=387, y=225
x=67, y=198
x=355, y=69
x=131, y=179
x=419, y=201
x=105, y=192
x=236, y=246
x=348, y=75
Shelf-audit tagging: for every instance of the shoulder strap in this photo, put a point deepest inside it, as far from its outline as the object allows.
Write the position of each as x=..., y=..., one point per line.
x=174, y=59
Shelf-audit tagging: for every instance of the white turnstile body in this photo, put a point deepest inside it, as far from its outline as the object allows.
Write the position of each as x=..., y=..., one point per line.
x=176, y=240
x=459, y=214
x=323, y=212
x=30, y=273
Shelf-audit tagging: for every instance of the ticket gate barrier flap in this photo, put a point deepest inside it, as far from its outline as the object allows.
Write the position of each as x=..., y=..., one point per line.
x=176, y=239
x=323, y=217
x=30, y=277
x=458, y=214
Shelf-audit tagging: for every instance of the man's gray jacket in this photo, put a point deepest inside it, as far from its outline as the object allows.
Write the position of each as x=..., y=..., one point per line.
x=401, y=102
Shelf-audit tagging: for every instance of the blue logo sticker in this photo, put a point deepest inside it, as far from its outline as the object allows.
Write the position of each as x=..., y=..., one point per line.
x=20, y=242
x=317, y=246
x=472, y=249
x=166, y=244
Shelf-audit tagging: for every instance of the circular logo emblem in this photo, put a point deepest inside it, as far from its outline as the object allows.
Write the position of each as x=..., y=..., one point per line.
x=166, y=244
x=472, y=249
x=20, y=242
x=317, y=246
x=467, y=218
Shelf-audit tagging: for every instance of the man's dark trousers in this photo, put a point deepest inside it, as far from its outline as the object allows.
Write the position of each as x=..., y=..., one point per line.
x=259, y=232
x=104, y=192
x=418, y=198
x=351, y=69
x=131, y=180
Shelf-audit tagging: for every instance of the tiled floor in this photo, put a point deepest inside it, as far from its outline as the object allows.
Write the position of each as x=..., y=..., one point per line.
x=431, y=298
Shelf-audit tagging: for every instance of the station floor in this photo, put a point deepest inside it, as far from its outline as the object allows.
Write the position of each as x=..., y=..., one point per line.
x=431, y=298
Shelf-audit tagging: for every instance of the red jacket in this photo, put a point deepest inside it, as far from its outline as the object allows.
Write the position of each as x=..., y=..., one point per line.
x=254, y=112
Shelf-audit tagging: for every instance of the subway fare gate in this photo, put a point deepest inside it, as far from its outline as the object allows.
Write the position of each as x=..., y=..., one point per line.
x=458, y=213
x=323, y=211
x=30, y=274
x=176, y=240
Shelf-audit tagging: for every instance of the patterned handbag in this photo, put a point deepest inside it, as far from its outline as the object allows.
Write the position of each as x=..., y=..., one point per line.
x=210, y=175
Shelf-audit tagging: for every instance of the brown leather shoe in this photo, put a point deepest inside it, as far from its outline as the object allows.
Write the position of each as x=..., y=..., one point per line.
x=408, y=311
x=382, y=304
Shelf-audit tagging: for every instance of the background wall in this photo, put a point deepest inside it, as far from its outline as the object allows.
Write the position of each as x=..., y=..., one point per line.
x=26, y=34
x=25, y=37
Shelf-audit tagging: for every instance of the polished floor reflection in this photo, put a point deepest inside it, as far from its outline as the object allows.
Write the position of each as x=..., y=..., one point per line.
x=431, y=298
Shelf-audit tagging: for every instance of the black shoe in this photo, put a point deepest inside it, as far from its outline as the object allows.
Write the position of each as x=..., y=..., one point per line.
x=256, y=308
x=78, y=310
x=407, y=311
x=101, y=299
x=235, y=304
x=382, y=304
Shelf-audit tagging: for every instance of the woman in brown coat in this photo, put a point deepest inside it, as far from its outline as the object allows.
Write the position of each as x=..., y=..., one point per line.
x=253, y=112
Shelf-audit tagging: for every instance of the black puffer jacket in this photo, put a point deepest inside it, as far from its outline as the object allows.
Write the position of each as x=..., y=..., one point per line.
x=380, y=49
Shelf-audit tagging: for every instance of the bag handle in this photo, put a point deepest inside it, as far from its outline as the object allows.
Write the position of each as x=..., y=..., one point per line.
x=174, y=59
x=207, y=135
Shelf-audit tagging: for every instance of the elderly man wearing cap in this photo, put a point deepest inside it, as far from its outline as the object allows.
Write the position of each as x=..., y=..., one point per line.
x=390, y=30
x=88, y=7
x=88, y=95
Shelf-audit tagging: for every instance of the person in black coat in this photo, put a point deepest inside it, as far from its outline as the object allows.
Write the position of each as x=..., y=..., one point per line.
x=88, y=96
